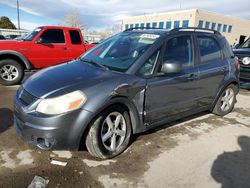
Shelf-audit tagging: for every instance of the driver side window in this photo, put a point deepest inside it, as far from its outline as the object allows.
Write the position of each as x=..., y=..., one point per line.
x=179, y=49
x=53, y=36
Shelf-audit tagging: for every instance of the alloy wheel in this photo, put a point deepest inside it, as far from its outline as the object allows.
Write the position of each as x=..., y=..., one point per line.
x=227, y=99
x=9, y=72
x=113, y=131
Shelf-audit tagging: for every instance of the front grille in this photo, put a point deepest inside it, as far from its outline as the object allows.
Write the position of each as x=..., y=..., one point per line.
x=25, y=97
x=245, y=76
x=244, y=69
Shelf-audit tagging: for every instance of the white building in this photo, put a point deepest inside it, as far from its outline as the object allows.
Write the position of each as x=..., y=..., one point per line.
x=236, y=30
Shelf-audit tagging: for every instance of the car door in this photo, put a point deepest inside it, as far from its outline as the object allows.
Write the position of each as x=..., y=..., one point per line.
x=51, y=50
x=212, y=68
x=170, y=94
x=76, y=46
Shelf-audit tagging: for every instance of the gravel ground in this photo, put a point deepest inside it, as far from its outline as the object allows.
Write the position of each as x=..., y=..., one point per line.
x=200, y=151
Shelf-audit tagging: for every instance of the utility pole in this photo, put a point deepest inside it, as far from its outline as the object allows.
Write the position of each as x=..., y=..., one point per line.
x=18, y=18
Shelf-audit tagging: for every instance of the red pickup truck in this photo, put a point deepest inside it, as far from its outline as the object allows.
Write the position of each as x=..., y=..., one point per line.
x=43, y=47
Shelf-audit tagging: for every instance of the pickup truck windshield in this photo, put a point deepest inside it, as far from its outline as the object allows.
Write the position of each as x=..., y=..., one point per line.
x=122, y=50
x=32, y=34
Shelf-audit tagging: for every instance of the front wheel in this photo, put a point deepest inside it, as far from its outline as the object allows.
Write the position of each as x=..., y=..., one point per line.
x=11, y=72
x=110, y=133
x=226, y=101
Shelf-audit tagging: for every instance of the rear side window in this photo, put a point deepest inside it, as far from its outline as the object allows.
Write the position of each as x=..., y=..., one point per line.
x=53, y=36
x=209, y=49
x=179, y=49
x=75, y=37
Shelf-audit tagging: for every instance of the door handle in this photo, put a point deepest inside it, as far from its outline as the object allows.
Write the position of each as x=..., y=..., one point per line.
x=64, y=48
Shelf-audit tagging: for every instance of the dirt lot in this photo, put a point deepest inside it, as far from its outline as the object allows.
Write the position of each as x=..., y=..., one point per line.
x=201, y=151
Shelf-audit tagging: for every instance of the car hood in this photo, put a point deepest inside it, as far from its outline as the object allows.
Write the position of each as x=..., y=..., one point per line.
x=11, y=44
x=241, y=51
x=63, y=77
x=11, y=41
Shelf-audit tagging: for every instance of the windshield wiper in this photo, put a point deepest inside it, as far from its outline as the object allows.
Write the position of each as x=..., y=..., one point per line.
x=95, y=63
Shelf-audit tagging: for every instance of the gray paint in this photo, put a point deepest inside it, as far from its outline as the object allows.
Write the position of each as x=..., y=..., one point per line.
x=151, y=101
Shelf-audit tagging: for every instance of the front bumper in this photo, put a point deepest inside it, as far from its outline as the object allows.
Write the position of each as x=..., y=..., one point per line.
x=60, y=132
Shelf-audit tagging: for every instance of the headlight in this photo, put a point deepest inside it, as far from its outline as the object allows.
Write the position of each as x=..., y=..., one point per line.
x=246, y=60
x=62, y=104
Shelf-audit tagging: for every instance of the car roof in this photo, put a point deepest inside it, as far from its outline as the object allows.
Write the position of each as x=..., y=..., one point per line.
x=57, y=27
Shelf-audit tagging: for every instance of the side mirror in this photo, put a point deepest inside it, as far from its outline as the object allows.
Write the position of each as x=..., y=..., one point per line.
x=171, y=67
x=39, y=40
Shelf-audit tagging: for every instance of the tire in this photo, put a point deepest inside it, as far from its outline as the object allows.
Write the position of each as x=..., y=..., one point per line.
x=101, y=135
x=226, y=101
x=11, y=72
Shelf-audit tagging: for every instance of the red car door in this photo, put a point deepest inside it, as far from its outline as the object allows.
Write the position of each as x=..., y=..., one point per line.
x=49, y=48
x=75, y=44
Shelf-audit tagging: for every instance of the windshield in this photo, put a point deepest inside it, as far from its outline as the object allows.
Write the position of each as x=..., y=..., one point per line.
x=246, y=44
x=121, y=51
x=31, y=35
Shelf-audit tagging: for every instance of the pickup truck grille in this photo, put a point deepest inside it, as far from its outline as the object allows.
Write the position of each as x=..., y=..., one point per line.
x=25, y=97
x=244, y=69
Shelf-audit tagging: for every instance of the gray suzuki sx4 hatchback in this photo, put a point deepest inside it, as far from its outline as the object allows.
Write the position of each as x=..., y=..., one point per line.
x=129, y=83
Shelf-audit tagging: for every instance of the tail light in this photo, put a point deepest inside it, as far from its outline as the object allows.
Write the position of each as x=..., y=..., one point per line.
x=237, y=63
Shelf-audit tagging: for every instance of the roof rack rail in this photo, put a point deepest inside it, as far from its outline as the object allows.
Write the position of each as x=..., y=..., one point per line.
x=134, y=28
x=178, y=29
x=194, y=29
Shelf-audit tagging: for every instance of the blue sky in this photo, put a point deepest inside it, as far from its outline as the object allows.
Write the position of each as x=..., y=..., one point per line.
x=99, y=14
x=28, y=20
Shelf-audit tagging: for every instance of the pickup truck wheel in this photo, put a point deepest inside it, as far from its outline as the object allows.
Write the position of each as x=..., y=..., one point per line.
x=109, y=133
x=226, y=101
x=11, y=72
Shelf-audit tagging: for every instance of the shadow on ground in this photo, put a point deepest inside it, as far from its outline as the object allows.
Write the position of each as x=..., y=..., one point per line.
x=167, y=125
x=6, y=119
x=232, y=169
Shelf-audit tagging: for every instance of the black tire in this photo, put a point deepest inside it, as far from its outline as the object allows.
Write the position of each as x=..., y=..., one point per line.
x=218, y=106
x=18, y=70
x=94, y=143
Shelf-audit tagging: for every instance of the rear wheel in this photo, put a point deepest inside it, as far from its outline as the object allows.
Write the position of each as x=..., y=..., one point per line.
x=110, y=133
x=226, y=101
x=11, y=72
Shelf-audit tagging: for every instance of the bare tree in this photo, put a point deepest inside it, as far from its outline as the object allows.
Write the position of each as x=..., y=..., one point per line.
x=107, y=32
x=73, y=19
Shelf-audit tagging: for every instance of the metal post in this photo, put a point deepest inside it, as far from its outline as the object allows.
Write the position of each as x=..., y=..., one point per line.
x=18, y=18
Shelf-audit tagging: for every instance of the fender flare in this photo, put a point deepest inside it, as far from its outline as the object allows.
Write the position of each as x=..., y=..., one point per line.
x=26, y=62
